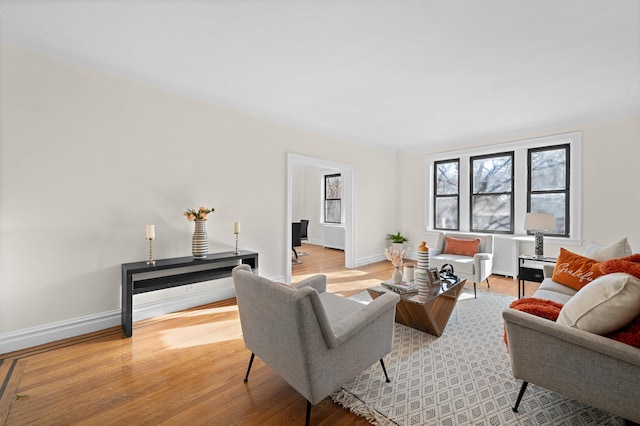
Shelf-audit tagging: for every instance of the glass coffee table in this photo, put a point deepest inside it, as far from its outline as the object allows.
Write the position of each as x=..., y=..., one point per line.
x=430, y=313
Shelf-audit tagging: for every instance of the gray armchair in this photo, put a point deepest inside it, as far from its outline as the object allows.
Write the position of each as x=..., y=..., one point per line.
x=316, y=341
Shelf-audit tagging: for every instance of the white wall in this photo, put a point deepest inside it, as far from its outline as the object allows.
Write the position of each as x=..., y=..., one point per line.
x=87, y=159
x=306, y=200
x=610, y=200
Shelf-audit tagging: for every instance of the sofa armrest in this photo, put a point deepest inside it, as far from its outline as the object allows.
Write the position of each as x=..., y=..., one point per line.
x=547, y=270
x=532, y=326
x=317, y=282
x=584, y=366
x=435, y=251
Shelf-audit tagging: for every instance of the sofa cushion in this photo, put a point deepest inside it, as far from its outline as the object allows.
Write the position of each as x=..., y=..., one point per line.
x=602, y=253
x=552, y=290
x=604, y=305
x=461, y=246
x=549, y=284
x=575, y=271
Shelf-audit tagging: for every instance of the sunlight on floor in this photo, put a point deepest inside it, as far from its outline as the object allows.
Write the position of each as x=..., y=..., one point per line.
x=209, y=311
x=203, y=334
x=331, y=275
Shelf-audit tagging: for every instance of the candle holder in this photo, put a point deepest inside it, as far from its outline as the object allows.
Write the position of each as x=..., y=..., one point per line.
x=150, y=261
x=236, y=251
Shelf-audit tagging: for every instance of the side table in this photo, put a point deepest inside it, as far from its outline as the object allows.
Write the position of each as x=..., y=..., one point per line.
x=530, y=268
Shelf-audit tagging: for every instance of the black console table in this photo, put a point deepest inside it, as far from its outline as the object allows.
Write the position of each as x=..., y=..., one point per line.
x=530, y=268
x=176, y=274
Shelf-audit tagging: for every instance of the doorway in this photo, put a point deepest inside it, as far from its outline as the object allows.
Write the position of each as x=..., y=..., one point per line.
x=296, y=162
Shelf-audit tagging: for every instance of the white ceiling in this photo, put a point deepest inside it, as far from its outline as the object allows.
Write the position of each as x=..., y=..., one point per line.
x=403, y=74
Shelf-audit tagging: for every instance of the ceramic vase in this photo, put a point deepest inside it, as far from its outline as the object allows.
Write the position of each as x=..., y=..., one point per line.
x=422, y=282
x=200, y=240
x=397, y=276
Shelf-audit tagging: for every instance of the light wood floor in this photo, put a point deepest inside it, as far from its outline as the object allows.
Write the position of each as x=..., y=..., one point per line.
x=177, y=369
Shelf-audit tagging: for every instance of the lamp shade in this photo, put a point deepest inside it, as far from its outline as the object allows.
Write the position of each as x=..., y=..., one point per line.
x=539, y=222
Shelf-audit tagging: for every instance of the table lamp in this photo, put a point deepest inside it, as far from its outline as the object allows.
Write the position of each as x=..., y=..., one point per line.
x=538, y=223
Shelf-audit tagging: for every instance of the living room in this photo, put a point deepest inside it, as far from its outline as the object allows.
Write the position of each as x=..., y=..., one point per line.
x=92, y=154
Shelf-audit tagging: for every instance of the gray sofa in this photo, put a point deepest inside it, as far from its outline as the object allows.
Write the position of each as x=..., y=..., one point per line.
x=587, y=367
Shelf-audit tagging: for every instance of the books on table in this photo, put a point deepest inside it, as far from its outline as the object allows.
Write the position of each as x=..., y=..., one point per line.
x=401, y=287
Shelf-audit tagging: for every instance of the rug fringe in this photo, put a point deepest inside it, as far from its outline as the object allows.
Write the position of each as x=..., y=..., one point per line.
x=358, y=407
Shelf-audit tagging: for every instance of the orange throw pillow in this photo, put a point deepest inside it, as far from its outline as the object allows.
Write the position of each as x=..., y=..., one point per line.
x=575, y=271
x=461, y=246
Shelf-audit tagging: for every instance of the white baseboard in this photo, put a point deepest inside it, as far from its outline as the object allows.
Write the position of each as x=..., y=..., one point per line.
x=34, y=336
x=370, y=259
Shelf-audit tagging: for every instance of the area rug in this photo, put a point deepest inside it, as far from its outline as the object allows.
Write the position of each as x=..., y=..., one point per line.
x=461, y=378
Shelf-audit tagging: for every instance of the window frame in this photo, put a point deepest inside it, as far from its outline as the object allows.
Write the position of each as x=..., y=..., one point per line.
x=473, y=194
x=520, y=147
x=436, y=196
x=566, y=191
x=325, y=199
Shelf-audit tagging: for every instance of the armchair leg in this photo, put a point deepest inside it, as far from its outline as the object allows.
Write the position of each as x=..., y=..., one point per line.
x=475, y=295
x=520, y=394
x=385, y=370
x=308, y=413
x=249, y=369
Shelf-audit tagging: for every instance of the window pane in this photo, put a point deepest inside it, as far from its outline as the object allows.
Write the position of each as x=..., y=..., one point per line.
x=447, y=178
x=491, y=212
x=446, y=213
x=548, y=170
x=551, y=203
x=333, y=187
x=332, y=211
x=492, y=174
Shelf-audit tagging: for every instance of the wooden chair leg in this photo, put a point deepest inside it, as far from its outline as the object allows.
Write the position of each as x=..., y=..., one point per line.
x=488, y=286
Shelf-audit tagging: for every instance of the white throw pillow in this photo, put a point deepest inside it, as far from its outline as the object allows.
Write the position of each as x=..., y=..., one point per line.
x=604, y=305
x=602, y=253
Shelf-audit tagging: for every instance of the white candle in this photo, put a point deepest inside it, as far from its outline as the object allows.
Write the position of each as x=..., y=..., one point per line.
x=236, y=227
x=151, y=232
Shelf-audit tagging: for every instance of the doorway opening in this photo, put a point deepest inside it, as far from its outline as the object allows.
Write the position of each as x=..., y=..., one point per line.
x=299, y=165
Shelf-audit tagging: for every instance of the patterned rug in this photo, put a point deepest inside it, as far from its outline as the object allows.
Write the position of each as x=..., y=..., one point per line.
x=461, y=378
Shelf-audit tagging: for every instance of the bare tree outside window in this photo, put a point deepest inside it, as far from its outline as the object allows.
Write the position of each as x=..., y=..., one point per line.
x=447, y=195
x=548, y=184
x=492, y=193
x=333, y=198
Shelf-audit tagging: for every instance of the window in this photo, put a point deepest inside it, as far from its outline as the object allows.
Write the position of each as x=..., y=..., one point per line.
x=548, y=184
x=446, y=197
x=489, y=189
x=492, y=193
x=333, y=198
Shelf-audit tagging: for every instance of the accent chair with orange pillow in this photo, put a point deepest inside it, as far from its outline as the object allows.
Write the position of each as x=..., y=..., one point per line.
x=471, y=255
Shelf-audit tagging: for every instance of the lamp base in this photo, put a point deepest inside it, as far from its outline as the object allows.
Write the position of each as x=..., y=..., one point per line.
x=539, y=236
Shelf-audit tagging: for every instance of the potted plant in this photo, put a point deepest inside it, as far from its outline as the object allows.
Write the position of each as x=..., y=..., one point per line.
x=398, y=239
